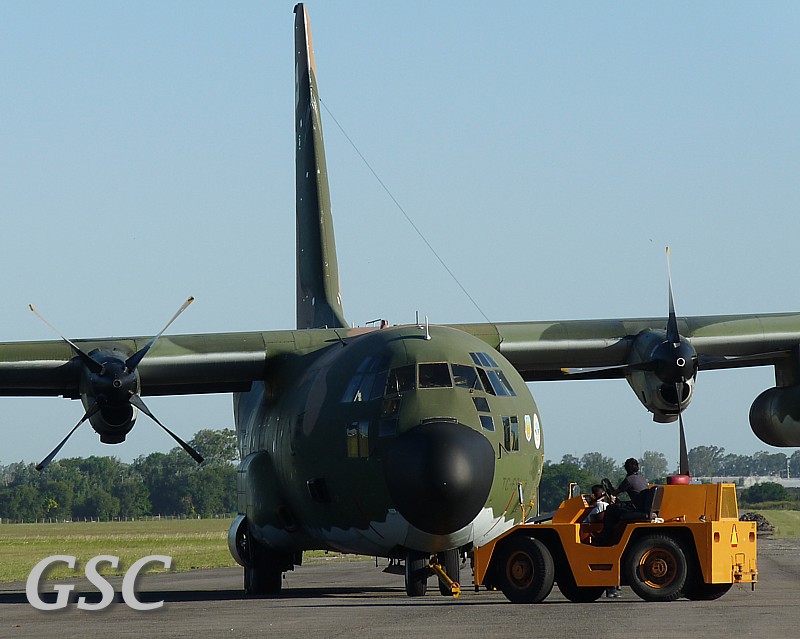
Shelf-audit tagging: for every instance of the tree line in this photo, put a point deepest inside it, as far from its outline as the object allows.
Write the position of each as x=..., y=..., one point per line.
x=105, y=488
x=704, y=461
x=173, y=484
x=711, y=461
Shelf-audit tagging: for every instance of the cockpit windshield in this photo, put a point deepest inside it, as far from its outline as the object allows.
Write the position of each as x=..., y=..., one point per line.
x=435, y=376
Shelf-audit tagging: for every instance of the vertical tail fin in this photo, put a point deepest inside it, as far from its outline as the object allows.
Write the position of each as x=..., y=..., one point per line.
x=319, y=296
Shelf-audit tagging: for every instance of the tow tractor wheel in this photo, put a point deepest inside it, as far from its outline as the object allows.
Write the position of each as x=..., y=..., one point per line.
x=656, y=568
x=575, y=593
x=451, y=562
x=527, y=571
x=706, y=592
x=417, y=573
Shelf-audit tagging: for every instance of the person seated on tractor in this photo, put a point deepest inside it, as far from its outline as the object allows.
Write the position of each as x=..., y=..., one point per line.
x=634, y=485
x=599, y=502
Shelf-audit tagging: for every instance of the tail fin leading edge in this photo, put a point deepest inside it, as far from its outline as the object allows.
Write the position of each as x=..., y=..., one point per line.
x=319, y=296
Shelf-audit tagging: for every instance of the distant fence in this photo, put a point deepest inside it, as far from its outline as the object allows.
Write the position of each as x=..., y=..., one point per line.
x=54, y=520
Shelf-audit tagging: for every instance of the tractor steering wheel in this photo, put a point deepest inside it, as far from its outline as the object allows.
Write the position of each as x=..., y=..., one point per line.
x=608, y=487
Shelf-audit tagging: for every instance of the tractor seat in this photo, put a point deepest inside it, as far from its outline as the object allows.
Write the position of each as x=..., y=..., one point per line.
x=651, y=505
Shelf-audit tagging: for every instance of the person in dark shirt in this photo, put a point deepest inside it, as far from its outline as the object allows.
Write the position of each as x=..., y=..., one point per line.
x=634, y=485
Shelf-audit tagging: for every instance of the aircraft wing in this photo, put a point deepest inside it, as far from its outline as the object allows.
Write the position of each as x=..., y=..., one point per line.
x=661, y=364
x=600, y=349
x=111, y=375
x=177, y=365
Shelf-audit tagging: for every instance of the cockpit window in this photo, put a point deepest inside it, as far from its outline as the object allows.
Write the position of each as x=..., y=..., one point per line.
x=487, y=423
x=498, y=384
x=401, y=379
x=511, y=432
x=366, y=383
x=505, y=382
x=499, y=387
x=359, y=389
x=466, y=377
x=434, y=376
x=487, y=385
x=379, y=385
x=483, y=359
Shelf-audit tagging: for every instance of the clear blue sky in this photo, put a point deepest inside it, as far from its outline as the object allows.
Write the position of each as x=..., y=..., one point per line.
x=549, y=151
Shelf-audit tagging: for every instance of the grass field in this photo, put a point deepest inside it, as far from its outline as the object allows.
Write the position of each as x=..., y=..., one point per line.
x=192, y=543
x=786, y=522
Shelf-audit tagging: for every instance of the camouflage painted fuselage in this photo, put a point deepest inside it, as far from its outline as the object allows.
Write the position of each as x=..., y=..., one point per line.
x=387, y=441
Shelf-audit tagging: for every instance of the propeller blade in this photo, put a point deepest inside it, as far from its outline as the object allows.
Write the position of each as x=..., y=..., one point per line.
x=133, y=360
x=684, y=454
x=718, y=362
x=46, y=461
x=137, y=401
x=608, y=372
x=597, y=372
x=92, y=365
x=673, y=335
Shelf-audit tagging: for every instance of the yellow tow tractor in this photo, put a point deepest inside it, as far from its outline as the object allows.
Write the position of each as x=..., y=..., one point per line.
x=689, y=543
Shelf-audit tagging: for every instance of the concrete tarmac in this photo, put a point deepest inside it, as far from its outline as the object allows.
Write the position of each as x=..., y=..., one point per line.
x=352, y=598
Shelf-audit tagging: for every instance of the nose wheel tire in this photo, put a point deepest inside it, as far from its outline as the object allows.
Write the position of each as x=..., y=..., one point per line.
x=417, y=573
x=451, y=562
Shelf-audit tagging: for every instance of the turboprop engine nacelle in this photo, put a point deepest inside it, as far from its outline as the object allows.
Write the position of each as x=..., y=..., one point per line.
x=659, y=370
x=110, y=389
x=659, y=398
x=775, y=416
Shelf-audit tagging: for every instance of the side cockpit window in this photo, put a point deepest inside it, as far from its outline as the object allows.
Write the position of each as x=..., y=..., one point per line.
x=499, y=388
x=401, y=379
x=487, y=385
x=483, y=359
x=504, y=380
x=368, y=381
x=494, y=379
x=511, y=432
x=466, y=377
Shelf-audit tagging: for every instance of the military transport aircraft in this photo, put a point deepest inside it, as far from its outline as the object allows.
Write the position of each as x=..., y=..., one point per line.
x=407, y=441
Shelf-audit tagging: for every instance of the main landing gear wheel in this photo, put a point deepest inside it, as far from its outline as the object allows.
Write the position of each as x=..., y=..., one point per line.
x=451, y=562
x=527, y=571
x=656, y=568
x=417, y=573
x=264, y=570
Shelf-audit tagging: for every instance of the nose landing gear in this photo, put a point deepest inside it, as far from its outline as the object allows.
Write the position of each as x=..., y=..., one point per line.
x=420, y=566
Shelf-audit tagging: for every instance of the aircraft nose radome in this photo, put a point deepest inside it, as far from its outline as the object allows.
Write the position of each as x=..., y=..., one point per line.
x=439, y=475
